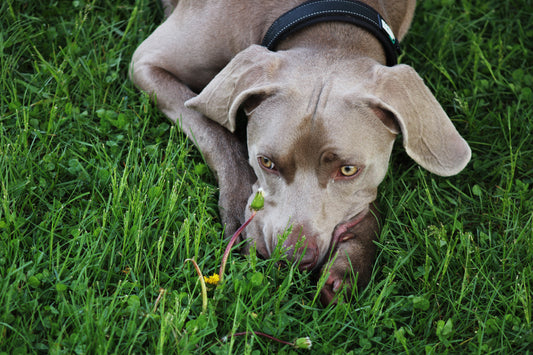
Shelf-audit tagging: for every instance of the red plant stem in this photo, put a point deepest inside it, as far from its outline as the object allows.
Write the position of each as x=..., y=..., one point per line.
x=230, y=245
x=263, y=335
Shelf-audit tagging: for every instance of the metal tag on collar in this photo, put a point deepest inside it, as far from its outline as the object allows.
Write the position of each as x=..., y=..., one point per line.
x=387, y=29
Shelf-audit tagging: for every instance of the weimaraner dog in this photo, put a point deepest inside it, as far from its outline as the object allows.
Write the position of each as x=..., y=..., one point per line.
x=309, y=116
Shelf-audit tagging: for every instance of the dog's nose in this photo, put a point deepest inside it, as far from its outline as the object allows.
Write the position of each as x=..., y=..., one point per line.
x=309, y=259
x=307, y=252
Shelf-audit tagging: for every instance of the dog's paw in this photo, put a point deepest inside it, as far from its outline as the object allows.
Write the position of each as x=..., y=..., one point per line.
x=343, y=280
x=334, y=284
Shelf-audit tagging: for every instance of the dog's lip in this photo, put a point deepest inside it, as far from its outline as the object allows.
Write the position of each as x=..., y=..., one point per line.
x=342, y=231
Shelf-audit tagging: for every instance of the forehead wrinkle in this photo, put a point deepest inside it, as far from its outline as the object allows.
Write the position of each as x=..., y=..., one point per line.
x=301, y=139
x=316, y=99
x=312, y=135
x=319, y=98
x=305, y=150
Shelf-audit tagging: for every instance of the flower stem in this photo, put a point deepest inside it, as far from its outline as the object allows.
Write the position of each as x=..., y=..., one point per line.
x=202, y=283
x=230, y=245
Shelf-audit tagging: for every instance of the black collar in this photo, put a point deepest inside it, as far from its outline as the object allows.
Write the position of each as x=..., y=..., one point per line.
x=351, y=11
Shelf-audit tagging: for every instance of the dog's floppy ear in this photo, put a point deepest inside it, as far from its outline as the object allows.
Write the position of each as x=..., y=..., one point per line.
x=429, y=137
x=249, y=74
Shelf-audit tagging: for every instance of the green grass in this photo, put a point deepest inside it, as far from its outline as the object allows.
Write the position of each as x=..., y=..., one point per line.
x=102, y=201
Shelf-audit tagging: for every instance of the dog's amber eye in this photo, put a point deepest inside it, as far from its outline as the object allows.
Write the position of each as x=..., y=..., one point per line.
x=349, y=170
x=266, y=163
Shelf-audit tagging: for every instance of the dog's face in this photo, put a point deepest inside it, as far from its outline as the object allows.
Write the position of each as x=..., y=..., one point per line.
x=317, y=164
x=320, y=134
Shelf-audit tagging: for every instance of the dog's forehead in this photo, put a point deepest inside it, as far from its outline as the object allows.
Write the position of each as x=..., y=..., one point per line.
x=313, y=118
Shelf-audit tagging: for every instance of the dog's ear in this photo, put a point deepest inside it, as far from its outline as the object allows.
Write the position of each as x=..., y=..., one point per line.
x=429, y=137
x=245, y=81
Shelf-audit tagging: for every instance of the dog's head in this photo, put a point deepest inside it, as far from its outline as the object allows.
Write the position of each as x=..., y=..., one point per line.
x=320, y=135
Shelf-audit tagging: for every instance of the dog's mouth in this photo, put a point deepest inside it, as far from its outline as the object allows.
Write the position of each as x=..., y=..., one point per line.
x=345, y=231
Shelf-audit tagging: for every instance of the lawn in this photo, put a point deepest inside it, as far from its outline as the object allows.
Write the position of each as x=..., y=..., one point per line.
x=102, y=200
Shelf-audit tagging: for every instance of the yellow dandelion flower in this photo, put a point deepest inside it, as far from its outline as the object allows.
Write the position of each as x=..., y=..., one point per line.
x=212, y=280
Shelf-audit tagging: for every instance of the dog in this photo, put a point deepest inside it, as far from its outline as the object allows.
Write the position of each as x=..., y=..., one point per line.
x=310, y=119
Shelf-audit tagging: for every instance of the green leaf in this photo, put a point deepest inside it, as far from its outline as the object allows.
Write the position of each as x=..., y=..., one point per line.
x=492, y=326
x=201, y=169
x=257, y=279
x=60, y=287
x=134, y=302
x=421, y=303
x=34, y=282
x=444, y=331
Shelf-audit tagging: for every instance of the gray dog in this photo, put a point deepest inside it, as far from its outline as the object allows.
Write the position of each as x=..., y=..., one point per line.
x=321, y=103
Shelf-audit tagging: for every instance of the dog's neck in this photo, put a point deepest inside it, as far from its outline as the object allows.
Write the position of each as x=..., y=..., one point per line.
x=336, y=40
x=324, y=14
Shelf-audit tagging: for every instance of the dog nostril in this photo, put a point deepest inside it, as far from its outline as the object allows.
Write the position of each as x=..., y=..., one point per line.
x=309, y=259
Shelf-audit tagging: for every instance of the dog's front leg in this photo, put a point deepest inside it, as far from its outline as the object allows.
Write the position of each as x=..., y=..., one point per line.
x=154, y=70
x=352, y=264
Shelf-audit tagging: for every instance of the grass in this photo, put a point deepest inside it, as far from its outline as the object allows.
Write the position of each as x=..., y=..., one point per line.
x=102, y=201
